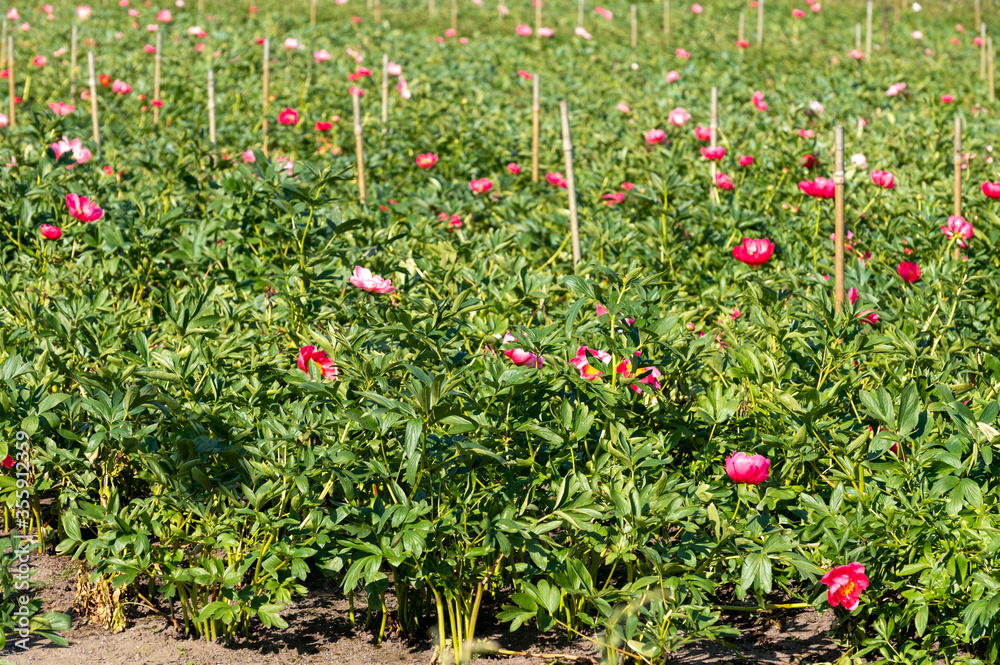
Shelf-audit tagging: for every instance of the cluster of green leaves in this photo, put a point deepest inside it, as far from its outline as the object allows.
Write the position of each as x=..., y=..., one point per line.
x=151, y=356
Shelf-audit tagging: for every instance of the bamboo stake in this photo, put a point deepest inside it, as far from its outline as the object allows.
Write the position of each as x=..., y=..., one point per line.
x=635, y=27
x=898, y=9
x=958, y=166
x=536, y=112
x=579, y=14
x=760, y=23
x=742, y=32
x=10, y=80
x=538, y=18
x=868, y=32
x=666, y=17
x=958, y=176
x=378, y=11
x=267, y=87
x=885, y=29
x=3, y=43
x=454, y=15
x=570, y=182
x=211, y=113
x=72, y=62
x=982, y=52
x=156, y=78
x=838, y=184
x=312, y=12
x=385, y=91
x=989, y=58
x=713, y=131
x=93, y=101
x=431, y=8
x=359, y=147
x=978, y=21
x=857, y=36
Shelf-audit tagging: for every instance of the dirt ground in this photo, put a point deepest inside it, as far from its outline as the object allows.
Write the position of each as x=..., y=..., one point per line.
x=320, y=632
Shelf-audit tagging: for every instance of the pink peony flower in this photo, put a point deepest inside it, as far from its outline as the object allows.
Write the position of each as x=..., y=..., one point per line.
x=623, y=108
x=163, y=16
x=681, y=53
x=39, y=61
x=696, y=8
x=655, y=136
x=427, y=160
x=523, y=30
x=714, y=154
x=121, y=87
x=291, y=43
x=947, y=99
x=249, y=157
x=309, y=355
x=909, y=271
x=50, y=232
x=884, y=179
x=514, y=168
x=605, y=13
x=958, y=228
x=991, y=189
x=845, y=585
x=798, y=13
x=83, y=12
x=366, y=281
x=321, y=56
x=546, y=32
x=582, y=363
x=672, y=76
x=679, y=116
x=747, y=469
x=59, y=108
x=481, y=186
x=557, y=180
x=754, y=252
x=820, y=188
x=80, y=154
x=723, y=181
x=703, y=133
x=856, y=54
x=83, y=208
x=652, y=374
x=746, y=160
x=288, y=117
x=580, y=31
x=807, y=133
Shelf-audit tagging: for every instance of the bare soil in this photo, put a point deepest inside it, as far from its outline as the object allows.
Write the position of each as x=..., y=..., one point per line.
x=320, y=632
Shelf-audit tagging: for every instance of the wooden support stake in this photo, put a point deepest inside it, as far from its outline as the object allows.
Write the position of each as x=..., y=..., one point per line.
x=536, y=112
x=982, y=52
x=579, y=13
x=211, y=113
x=885, y=29
x=267, y=89
x=359, y=147
x=635, y=26
x=3, y=45
x=454, y=15
x=93, y=101
x=742, y=32
x=760, y=23
x=201, y=6
x=666, y=17
x=72, y=62
x=989, y=62
x=898, y=10
x=156, y=79
x=378, y=11
x=10, y=81
x=312, y=12
x=978, y=15
x=958, y=166
x=431, y=8
x=713, y=132
x=538, y=18
x=958, y=177
x=385, y=91
x=838, y=188
x=857, y=36
x=868, y=32
x=570, y=182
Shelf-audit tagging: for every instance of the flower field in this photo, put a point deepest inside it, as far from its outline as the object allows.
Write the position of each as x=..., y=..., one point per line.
x=233, y=362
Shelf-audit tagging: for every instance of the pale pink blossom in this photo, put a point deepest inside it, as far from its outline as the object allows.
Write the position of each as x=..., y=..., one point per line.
x=366, y=281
